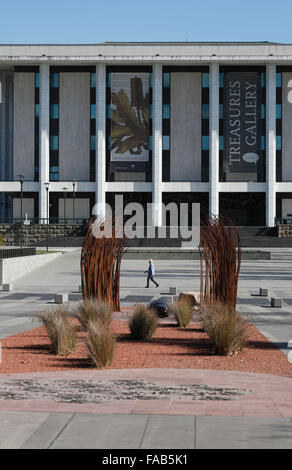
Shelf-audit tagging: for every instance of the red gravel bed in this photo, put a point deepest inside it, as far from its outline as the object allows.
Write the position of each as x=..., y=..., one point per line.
x=171, y=347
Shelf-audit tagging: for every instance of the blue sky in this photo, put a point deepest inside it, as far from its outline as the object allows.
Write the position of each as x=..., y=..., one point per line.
x=92, y=21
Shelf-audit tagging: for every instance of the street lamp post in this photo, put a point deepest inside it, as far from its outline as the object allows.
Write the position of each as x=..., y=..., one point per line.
x=74, y=185
x=65, y=196
x=47, y=185
x=21, y=179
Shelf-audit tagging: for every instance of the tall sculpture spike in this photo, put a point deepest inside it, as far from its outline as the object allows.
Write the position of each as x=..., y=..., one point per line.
x=101, y=259
x=220, y=254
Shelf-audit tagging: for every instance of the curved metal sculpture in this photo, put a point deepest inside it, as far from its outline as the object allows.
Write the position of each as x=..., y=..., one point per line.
x=220, y=251
x=101, y=259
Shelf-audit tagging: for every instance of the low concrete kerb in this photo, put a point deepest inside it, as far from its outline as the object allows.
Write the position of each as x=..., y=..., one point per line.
x=61, y=298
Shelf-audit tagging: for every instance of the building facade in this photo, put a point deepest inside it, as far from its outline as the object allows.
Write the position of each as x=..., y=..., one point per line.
x=209, y=123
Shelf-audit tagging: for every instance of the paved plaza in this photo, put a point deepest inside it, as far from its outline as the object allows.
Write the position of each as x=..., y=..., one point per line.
x=197, y=409
x=36, y=291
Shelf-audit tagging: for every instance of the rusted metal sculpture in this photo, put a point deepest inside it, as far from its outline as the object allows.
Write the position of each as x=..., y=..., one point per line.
x=220, y=254
x=101, y=259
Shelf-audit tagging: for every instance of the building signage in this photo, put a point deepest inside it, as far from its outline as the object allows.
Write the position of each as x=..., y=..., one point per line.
x=242, y=132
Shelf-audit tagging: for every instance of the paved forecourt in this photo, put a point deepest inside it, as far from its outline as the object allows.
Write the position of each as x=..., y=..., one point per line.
x=196, y=409
x=124, y=431
x=35, y=291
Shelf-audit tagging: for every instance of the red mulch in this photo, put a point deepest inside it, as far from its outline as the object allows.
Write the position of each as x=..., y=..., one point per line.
x=171, y=347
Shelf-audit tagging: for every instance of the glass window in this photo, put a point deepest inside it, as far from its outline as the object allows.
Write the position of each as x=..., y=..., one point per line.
x=279, y=111
x=263, y=79
x=54, y=142
x=55, y=80
x=108, y=80
x=150, y=142
x=263, y=111
x=93, y=80
x=221, y=142
x=37, y=80
x=109, y=142
x=150, y=80
x=279, y=80
x=150, y=111
x=221, y=80
x=54, y=111
x=205, y=111
x=109, y=111
x=278, y=142
x=221, y=111
x=205, y=142
x=165, y=111
x=263, y=142
x=54, y=176
x=37, y=110
x=92, y=142
x=166, y=142
x=166, y=80
x=92, y=111
x=205, y=80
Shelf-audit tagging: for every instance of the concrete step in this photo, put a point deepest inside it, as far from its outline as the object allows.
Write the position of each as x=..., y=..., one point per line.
x=281, y=256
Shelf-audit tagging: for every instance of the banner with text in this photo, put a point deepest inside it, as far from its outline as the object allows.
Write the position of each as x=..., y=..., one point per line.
x=242, y=124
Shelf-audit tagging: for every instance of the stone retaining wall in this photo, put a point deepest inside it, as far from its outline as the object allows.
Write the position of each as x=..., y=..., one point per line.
x=285, y=231
x=14, y=234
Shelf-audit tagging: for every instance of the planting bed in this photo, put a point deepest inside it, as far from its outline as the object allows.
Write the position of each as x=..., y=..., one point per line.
x=171, y=347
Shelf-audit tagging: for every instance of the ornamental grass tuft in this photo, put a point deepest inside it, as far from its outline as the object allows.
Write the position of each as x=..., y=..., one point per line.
x=93, y=310
x=61, y=332
x=227, y=331
x=100, y=343
x=182, y=311
x=143, y=323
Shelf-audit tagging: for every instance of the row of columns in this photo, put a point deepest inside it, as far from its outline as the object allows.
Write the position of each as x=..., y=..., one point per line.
x=214, y=185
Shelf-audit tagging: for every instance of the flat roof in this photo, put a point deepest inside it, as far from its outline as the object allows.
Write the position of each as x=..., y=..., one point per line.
x=184, y=43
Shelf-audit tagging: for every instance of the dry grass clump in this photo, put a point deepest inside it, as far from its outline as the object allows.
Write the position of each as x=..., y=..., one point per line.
x=143, y=323
x=100, y=343
x=226, y=329
x=93, y=310
x=182, y=311
x=61, y=332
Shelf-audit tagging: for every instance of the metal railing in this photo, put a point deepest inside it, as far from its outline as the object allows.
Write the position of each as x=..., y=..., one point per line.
x=283, y=221
x=44, y=221
x=16, y=252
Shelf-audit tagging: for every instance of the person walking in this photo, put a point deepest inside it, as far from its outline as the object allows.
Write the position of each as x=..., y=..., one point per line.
x=151, y=273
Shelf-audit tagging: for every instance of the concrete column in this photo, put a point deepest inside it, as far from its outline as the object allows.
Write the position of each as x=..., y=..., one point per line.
x=44, y=158
x=157, y=146
x=100, y=138
x=3, y=127
x=271, y=146
x=214, y=140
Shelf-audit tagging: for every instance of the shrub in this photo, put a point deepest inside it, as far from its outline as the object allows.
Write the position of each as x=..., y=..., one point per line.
x=100, y=343
x=182, y=311
x=93, y=310
x=60, y=331
x=143, y=323
x=226, y=329
x=1, y=240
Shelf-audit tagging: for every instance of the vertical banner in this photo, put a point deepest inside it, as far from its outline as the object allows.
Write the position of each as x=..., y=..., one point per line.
x=130, y=117
x=242, y=125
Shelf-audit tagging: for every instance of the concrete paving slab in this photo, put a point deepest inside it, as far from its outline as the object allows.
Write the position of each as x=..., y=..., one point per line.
x=16, y=428
x=243, y=433
x=48, y=431
x=169, y=432
x=87, y=431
